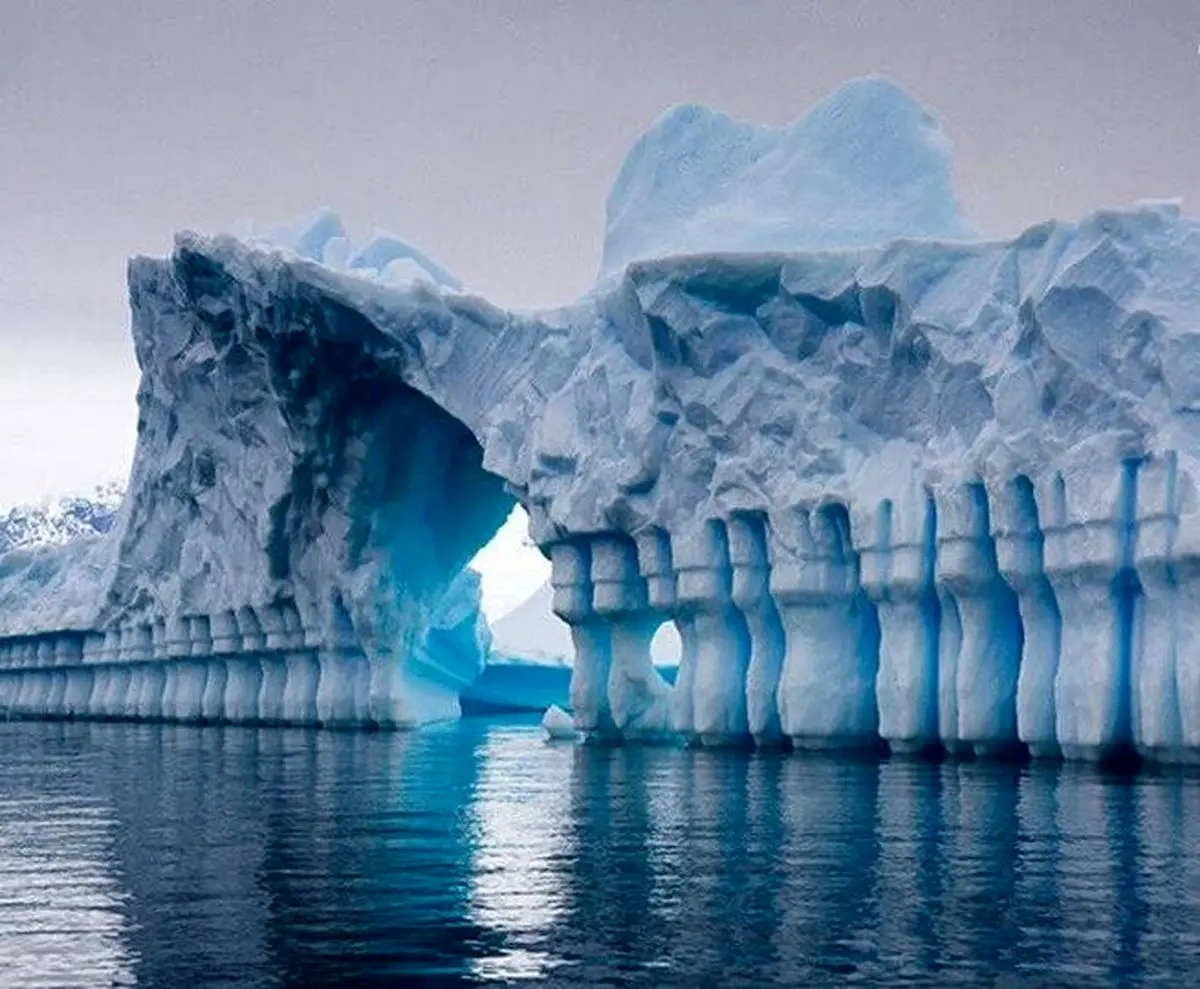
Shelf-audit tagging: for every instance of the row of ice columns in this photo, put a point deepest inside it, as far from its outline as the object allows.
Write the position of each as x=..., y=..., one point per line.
x=1062, y=615
x=250, y=665
x=974, y=618
x=614, y=591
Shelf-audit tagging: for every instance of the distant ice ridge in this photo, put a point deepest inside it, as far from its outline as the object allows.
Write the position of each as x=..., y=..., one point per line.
x=321, y=237
x=532, y=633
x=60, y=520
x=920, y=493
x=867, y=165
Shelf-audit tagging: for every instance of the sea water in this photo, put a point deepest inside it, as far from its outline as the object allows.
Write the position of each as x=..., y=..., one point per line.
x=475, y=854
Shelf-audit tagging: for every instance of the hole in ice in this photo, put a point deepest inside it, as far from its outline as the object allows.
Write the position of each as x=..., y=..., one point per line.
x=517, y=598
x=512, y=568
x=665, y=647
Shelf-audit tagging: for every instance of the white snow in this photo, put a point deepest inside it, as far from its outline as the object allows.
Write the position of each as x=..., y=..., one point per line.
x=59, y=520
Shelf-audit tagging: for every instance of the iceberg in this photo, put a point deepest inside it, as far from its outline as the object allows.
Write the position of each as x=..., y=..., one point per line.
x=893, y=488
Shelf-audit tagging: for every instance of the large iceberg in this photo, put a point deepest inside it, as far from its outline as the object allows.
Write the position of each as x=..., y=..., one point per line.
x=916, y=490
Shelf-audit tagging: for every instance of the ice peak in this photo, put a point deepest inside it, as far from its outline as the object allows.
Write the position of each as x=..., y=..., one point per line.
x=868, y=164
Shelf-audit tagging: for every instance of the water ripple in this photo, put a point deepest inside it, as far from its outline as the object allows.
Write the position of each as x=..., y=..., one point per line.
x=473, y=854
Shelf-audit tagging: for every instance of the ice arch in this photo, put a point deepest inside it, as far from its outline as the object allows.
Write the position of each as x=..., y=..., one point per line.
x=299, y=517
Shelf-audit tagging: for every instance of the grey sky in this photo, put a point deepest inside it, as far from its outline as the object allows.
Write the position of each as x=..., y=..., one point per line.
x=488, y=133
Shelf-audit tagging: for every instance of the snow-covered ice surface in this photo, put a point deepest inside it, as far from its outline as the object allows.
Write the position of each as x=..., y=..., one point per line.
x=866, y=165
x=916, y=490
x=61, y=520
x=52, y=556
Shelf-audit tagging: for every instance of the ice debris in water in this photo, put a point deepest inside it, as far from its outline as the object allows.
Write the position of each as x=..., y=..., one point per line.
x=557, y=725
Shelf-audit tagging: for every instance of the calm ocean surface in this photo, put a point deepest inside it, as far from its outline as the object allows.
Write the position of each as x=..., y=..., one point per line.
x=474, y=854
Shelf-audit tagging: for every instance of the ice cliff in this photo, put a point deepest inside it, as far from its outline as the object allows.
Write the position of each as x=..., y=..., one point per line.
x=934, y=493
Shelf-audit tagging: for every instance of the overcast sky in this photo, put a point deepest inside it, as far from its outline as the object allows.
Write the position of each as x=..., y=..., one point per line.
x=488, y=133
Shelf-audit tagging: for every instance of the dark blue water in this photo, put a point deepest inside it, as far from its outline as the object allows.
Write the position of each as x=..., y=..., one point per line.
x=475, y=854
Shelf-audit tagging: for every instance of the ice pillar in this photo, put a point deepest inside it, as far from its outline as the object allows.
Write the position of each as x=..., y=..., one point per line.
x=1163, y=683
x=896, y=543
x=657, y=567
x=977, y=679
x=827, y=688
x=274, y=663
x=1019, y=555
x=92, y=649
x=112, y=678
x=637, y=694
x=570, y=578
x=149, y=680
x=78, y=690
x=243, y=672
x=215, y=671
x=303, y=669
x=751, y=593
x=186, y=676
x=704, y=591
x=1088, y=522
x=344, y=686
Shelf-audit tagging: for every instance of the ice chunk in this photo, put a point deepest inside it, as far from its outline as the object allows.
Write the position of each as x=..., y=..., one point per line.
x=390, y=255
x=558, y=726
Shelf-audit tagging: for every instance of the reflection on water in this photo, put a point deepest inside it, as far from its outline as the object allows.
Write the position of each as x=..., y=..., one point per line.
x=474, y=854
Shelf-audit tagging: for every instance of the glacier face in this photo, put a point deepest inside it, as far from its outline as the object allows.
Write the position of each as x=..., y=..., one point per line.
x=929, y=493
